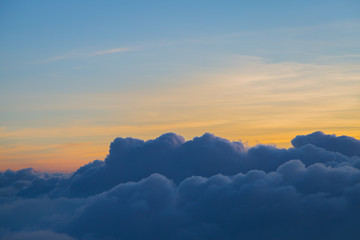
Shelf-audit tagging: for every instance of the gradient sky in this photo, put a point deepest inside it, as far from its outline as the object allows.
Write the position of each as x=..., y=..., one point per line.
x=76, y=74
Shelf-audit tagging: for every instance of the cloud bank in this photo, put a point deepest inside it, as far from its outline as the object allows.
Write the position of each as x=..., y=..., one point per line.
x=206, y=188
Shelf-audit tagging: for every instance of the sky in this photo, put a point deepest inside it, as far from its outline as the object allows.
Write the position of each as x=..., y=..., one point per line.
x=74, y=75
x=179, y=120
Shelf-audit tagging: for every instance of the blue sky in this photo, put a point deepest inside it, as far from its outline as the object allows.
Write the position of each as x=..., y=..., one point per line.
x=102, y=69
x=45, y=38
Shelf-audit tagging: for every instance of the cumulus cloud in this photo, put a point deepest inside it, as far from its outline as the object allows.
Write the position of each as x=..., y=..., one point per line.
x=346, y=145
x=27, y=183
x=206, y=188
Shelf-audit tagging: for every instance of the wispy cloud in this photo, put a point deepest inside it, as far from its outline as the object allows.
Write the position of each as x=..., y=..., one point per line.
x=110, y=51
x=54, y=59
x=85, y=55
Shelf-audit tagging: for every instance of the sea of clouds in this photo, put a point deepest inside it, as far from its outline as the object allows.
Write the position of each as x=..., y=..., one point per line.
x=206, y=188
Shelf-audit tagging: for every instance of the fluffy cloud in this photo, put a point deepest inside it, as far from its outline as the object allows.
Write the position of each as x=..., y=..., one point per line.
x=207, y=188
x=346, y=145
x=27, y=183
x=169, y=155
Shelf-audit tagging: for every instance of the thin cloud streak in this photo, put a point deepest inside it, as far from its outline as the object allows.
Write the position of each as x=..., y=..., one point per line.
x=54, y=59
x=97, y=53
x=111, y=51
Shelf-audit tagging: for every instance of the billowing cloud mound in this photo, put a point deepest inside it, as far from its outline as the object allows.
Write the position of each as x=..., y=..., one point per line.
x=27, y=183
x=207, y=188
x=346, y=145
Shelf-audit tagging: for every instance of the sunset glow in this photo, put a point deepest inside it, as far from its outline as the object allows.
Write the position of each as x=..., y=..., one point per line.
x=179, y=120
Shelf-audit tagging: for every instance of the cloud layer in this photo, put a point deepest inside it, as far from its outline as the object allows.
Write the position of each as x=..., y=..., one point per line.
x=206, y=188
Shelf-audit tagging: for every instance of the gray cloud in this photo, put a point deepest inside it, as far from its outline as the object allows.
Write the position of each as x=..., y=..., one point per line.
x=37, y=235
x=206, y=188
x=346, y=145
